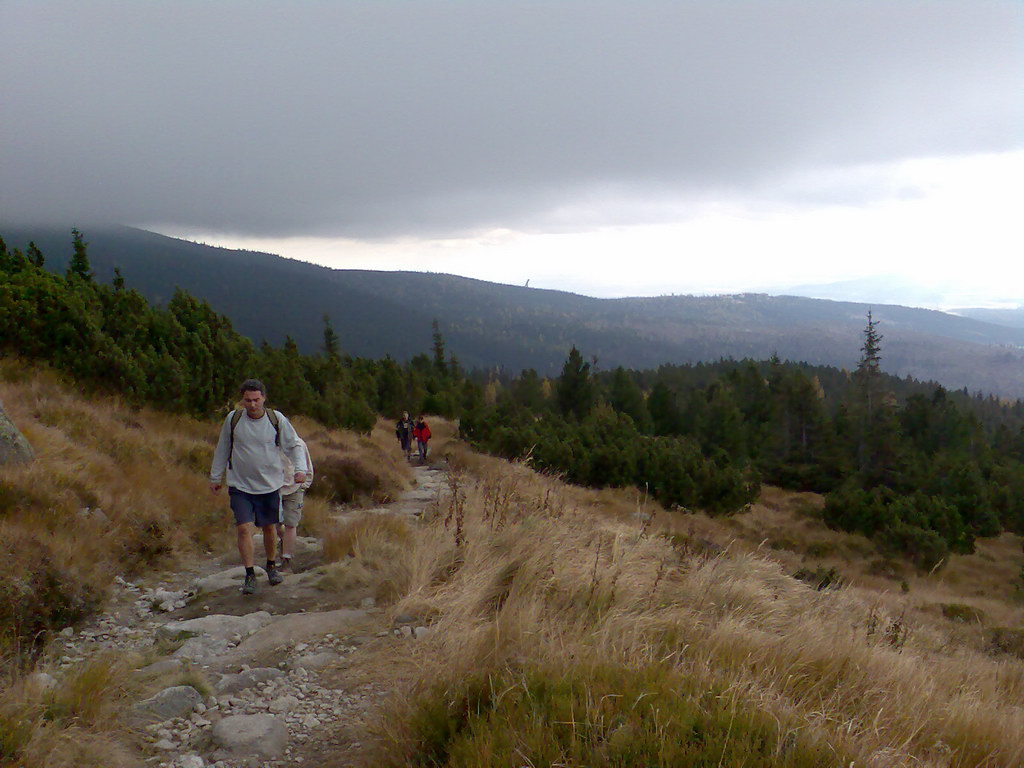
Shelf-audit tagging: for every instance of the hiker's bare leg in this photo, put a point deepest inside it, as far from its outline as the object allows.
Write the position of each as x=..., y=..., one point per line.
x=245, y=532
x=270, y=541
x=288, y=540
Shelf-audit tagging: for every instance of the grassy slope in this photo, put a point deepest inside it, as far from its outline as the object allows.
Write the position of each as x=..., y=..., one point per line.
x=570, y=632
x=146, y=471
x=568, y=628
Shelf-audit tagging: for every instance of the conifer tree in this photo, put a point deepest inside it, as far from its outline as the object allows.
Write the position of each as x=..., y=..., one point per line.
x=666, y=415
x=528, y=391
x=79, y=264
x=35, y=256
x=6, y=259
x=575, y=389
x=869, y=371
x=438, y=347
x=625, y=397
x=331, y=342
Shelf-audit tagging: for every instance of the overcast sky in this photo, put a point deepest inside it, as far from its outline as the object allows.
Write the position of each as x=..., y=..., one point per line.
x=606, y=147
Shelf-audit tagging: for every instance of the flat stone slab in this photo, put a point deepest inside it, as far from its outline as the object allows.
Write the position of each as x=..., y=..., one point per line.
x=271, y=643
x=162, y=667
x=177, y=701
x=250, y=736
x=217, y=625
x=210, y=636
x=314, y=660
x=233, y=683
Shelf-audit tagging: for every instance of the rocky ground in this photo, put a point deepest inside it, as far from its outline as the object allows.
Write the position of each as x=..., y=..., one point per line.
x=269, y=672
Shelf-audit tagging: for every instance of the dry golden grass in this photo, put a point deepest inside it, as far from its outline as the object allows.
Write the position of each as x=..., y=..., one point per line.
x=76, y=723
x=543, y=580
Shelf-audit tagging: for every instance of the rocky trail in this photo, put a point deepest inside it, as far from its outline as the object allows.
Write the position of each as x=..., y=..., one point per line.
x=254, y=680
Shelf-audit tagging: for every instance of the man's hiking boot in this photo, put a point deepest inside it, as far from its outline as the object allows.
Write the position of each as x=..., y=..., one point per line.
x=274, y=576
x=249, y=587
x=284, y=565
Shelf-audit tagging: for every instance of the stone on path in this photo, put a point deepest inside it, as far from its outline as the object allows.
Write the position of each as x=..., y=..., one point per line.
x=162, y=667
x=314, y=660
x=283, y=704
x=290, y=628
x=247, y=679
x=14, y=448
x=177, y=701
x=210, y=636
x=250, y=735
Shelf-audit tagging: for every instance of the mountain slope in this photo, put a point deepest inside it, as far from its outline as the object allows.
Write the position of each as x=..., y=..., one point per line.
x=493, y=325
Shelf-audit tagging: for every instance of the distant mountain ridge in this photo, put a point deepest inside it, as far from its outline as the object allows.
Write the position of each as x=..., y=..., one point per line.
x=1011, y=318
x=493, y=325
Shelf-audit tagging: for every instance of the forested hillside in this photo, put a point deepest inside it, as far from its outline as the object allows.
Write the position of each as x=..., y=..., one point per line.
x=488, y=325
x=921, y=469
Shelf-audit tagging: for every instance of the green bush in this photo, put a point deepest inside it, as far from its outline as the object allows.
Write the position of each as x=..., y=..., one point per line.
x=820, y=578
x=598, y=715
x=1009, y=640
x=926, y=549
x=965, y=614
x=342, y=480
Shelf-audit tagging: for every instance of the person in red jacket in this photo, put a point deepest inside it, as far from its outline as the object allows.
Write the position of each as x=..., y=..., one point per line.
x=422, y=434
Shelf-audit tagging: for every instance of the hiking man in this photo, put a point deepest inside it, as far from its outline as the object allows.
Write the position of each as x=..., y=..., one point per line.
x=248, y=449
x=292, y=495
x=422, y=434
x=403, y=431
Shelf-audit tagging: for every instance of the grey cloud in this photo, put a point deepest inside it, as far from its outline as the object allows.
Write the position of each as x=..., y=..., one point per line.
x=388, y=118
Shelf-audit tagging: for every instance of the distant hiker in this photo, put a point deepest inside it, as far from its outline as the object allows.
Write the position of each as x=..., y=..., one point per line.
x=403, y=431
x=292, y=495
x=422, y=434
x=249, y=450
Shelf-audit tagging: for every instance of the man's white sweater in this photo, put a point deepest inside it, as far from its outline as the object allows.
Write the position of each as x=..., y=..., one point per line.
x=255, y=463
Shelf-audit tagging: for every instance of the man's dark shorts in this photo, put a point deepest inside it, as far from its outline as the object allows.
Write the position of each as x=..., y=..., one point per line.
x=263, y=509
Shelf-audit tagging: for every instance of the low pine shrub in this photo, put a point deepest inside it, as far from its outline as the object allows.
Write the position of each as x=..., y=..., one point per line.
x=965, y=614
x=342, y=480
x=820, y=578
x=1008, y=640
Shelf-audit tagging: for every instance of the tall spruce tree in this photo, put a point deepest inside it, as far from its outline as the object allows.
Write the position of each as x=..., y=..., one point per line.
x=869, y=371
x=79, y=264
x=438, y=346
x=625, y=397
x=332, y=347
x=575, y=388
x=35, y=256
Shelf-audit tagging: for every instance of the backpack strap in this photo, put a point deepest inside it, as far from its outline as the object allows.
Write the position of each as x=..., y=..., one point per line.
x=272, y=415
x=237, y=416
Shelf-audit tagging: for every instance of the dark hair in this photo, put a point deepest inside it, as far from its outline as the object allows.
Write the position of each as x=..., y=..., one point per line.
x=252, y=385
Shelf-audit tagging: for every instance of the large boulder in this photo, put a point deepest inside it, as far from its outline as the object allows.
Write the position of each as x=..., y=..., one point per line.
x=14, y=448
x=249, y=736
